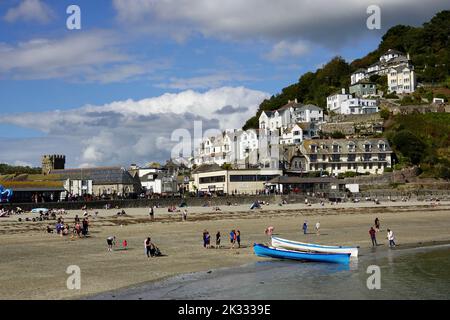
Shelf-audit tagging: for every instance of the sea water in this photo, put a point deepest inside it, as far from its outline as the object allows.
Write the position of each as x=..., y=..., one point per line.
x=419, y=273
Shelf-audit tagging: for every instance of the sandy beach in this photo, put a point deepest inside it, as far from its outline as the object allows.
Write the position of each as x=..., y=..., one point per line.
x=33, y=263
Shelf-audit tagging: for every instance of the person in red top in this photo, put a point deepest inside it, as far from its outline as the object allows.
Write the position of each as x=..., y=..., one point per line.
x=372, y=233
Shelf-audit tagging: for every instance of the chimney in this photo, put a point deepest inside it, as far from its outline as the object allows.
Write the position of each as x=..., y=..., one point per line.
x=343, y=90
x=296, y=100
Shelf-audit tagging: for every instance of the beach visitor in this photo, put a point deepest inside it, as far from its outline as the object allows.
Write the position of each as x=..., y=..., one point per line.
x=377, y=224
x=238, y=238
x=305, y=227
x=184, y=217
x=218, y=239
x=391, y=238
x=152, y=213
x=110, y=241
x=318, y=228
x=149, y=248
x=124, y=244
x=208, y=240
x=232, y=238
x=372, y=233
x=204, y=238
x=269, y=231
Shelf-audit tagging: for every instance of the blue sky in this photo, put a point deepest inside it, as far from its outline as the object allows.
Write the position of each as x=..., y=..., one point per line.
x=143, y=56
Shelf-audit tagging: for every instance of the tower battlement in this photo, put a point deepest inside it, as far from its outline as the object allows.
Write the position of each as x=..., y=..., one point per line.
x=53, y=162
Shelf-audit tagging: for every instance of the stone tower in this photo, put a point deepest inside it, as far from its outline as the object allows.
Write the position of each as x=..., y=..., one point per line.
x=53, y=162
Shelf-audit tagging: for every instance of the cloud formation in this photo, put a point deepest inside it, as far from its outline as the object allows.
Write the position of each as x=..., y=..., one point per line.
x=129, y=131
x=93, y=56
x=30, y=11
x=330, y=23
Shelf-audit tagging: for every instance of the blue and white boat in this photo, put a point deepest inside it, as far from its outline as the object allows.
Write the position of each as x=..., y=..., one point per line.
x=271, y=252
x=310, y=247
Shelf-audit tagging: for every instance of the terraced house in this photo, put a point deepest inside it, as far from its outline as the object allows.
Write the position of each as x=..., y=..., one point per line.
x=342, y=155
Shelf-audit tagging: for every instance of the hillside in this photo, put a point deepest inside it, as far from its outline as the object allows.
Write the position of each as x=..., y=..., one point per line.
x=421, y=139
x=428, y=46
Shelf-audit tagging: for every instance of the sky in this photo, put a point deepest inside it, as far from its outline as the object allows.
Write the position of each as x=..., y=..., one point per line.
x=120, y=89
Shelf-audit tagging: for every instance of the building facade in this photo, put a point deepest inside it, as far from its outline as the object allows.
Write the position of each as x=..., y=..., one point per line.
x=401, y=79
x=343, y=155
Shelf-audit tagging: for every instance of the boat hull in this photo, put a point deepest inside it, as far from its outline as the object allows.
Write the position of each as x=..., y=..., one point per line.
x=265, y=251
x=309, y=247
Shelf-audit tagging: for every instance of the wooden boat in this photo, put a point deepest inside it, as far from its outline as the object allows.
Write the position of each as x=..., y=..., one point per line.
x=309, y=247
x=271, y=252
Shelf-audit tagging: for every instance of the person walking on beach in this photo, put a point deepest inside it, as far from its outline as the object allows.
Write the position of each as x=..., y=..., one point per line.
x=391, y=238
x=205, y=235
x=305, y=227
x=184, y=216
x=372, y=233
x=152, y=213
x=232, y=238
x=238, y=238
x=218, y=239
x=111, y=240
x=318, y=228
x=377, y=224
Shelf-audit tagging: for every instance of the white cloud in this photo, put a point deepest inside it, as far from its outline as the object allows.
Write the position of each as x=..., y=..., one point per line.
x=90, y=57
x=287, y=48
x=320, y=21
x=128, y=131
x=206, y=81
x=30, y=11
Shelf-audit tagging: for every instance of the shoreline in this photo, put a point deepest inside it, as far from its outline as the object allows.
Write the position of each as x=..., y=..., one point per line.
x=431, y=245
x=35, y=262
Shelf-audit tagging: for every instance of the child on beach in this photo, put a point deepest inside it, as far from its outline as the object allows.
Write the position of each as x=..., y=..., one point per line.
x=305, y=227
x=318, y=228
x=218, y=239
x=184, y=216
x=124, y=244
x=232, y=238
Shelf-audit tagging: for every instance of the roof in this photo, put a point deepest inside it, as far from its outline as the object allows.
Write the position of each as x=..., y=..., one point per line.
x=207, y=168
x=360, y=70
x=100, y=175
x=299, y=180
x=309, y=107
x=393, y=51
x=325, y=145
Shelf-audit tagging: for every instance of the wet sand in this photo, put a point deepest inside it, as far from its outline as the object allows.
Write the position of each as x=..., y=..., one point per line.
x=33, y=263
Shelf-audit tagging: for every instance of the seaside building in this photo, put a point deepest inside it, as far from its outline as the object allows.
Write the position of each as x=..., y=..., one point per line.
x=106, y=181
x=363, y=89
x=345, y=104
x=53, y=162
x=214, y=179
x=343, y=155
x=401, y=79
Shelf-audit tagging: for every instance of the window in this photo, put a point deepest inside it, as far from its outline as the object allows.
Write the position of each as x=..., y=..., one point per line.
x=213, y=179
x=351, y=157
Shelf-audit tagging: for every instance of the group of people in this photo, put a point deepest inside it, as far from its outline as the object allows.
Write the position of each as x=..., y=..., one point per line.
x=305, y=227
x=235, y=238
x=80, y=227
x=373, y=232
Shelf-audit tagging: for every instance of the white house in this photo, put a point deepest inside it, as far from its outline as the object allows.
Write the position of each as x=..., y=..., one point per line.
x=334, y=101
x=358, y=75
x=358, y=106
x=309, y=113
x=293, y=135
x=402, y=79
x=389, y=55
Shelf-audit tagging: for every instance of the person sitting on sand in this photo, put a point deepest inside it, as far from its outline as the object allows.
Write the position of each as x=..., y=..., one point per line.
x=150, y=248
x=49, y=229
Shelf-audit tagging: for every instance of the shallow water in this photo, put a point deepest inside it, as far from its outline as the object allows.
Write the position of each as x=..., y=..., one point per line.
x=419, y=273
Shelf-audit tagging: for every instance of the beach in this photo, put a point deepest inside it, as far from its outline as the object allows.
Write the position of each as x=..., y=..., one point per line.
x=33, y=263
